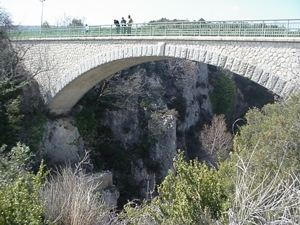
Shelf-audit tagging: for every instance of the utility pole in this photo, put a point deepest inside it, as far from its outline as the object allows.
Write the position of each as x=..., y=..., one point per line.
x=42, y=15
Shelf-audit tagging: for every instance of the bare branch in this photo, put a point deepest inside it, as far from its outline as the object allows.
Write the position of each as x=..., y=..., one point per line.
x=215, y=138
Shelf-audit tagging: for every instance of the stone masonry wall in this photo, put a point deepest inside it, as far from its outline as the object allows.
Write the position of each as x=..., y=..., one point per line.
x=59, y=64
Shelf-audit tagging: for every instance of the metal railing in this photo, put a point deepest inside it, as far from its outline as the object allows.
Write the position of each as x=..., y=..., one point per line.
x=241, y=28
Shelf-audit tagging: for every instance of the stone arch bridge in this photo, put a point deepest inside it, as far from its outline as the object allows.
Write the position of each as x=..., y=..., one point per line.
x=66, y=68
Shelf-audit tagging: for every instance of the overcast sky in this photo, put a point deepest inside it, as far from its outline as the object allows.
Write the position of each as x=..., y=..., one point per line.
x=98, y=12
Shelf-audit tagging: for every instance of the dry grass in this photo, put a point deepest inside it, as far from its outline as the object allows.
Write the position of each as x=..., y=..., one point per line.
x=275, y=200
x=71, y=199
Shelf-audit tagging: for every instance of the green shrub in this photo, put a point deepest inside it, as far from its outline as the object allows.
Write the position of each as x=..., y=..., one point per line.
x=192, y=194
x=19, y=190
x=10, y=115
x=36, y=123
x=86, y=123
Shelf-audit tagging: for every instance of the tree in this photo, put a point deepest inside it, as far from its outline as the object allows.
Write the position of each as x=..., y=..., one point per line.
x=259, y=184
x=14, y=86
x=45, y=25
x=5, y=20
x=215, y=138
x=67, y=21
x=8, y=57
x=11, y=83
x=76, y=23
x=266, y=166
x=193, y=193
x=274, y=134
x=224, y=93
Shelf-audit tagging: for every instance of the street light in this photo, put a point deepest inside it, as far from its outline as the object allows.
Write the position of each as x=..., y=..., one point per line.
x=42, y=1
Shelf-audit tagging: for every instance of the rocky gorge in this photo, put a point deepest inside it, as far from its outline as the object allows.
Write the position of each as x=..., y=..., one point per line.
x=133, y=123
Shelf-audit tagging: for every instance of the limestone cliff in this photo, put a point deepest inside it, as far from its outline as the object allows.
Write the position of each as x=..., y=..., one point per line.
x=62, y=142
x=145, y=113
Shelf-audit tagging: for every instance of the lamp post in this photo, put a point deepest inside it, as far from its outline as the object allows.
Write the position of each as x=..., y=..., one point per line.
x=42, y=1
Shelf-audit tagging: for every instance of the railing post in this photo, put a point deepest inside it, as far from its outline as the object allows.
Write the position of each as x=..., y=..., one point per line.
x=166, y=29
x=182, y=27
x=263, y=29
x=200, y=27
x=288, y=28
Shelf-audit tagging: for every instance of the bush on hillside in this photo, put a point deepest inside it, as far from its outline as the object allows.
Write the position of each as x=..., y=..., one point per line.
x=19, y=190
x=192, y=194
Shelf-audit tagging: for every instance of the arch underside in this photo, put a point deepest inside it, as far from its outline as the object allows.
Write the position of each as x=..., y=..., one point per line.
x=71, y=88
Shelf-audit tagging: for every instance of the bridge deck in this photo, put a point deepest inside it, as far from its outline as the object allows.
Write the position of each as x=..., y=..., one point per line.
x=244, y=28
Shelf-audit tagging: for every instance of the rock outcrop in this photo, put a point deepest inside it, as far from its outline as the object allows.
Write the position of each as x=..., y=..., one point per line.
x=62, y=142
x=109, y=192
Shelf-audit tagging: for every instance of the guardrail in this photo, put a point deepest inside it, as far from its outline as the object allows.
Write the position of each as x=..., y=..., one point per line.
x=240, y=28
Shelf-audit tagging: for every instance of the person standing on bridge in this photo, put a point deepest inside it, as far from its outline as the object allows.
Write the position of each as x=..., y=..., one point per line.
x=116, y=22
x=86, y=28
x=123, y=24
x=130, y=22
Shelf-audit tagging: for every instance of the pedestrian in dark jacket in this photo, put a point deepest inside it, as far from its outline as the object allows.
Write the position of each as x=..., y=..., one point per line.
x=123, y=25
x=116, y=22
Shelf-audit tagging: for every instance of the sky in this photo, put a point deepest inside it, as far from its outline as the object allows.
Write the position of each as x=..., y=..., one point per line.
x=100, y=12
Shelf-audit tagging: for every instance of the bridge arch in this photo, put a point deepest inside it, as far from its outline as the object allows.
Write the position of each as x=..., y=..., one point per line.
x=70, y=87
x=69, y=67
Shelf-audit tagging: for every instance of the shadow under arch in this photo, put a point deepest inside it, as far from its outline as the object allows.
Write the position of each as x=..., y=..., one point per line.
x=65, y=98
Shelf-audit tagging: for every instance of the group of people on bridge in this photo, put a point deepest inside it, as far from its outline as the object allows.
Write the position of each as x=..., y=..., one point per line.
x=122, y=27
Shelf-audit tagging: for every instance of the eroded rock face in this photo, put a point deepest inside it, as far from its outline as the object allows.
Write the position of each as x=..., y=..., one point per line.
x=109, y=192
x=62, y=143
x=194, y=87
x=165, y=149
x=151, y=104
x=110, y=196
